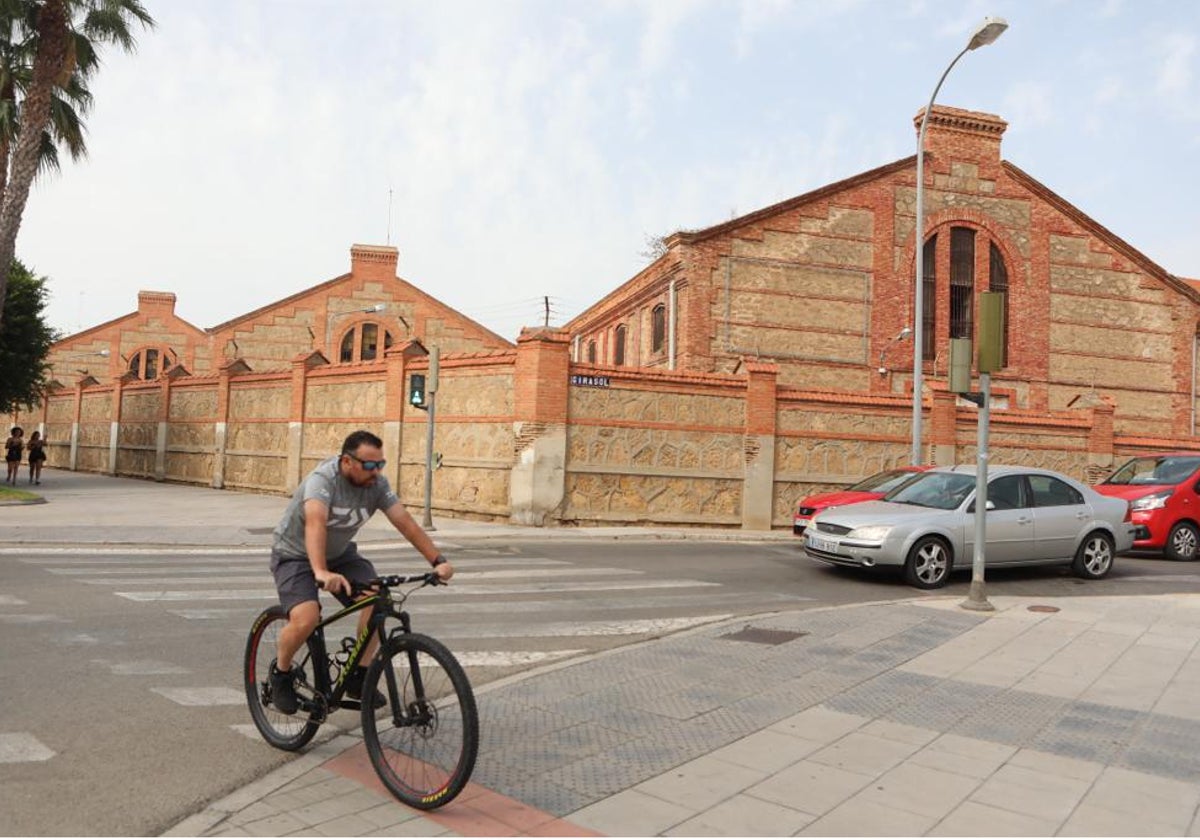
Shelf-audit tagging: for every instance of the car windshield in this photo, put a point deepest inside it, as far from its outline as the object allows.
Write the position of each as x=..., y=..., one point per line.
x=883, y=482
x=945, y=491
x=1169, y=469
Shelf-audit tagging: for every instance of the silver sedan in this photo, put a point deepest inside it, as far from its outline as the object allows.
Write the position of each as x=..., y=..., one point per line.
x=926, y=527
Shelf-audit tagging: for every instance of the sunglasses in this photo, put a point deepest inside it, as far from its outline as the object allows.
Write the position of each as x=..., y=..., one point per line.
x=369, y=466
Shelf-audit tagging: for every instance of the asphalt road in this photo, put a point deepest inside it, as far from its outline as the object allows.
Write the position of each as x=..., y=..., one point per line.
x=126, y=665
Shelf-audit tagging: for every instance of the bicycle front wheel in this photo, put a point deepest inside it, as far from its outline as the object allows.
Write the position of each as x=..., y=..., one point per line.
x=424, y=741
x=287, y=732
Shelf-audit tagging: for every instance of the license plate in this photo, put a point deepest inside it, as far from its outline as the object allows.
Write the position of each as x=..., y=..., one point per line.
x=821, y=544
x=802, y=522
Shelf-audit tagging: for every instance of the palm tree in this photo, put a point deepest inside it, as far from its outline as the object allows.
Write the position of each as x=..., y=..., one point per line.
x=48, y=49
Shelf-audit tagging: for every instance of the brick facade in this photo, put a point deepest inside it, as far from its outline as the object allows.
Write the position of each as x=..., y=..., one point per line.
x=822, y=284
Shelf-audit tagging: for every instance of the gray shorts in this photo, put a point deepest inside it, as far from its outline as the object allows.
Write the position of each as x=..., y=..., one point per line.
x=296, y=583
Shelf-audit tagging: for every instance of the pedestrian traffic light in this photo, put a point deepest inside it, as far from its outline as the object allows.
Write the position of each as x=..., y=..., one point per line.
x=416, y=390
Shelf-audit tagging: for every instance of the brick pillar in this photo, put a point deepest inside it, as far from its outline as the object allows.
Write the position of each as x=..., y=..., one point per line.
x=395, y=405
x=114, y=426
x=221, y=424
x=758, y=478
x=1100, y=441
x=301, y=365
x=79, y=386
x=540, y=381
x=943, y=429
x=164, y=417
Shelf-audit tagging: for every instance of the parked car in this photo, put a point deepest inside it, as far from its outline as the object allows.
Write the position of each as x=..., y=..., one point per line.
x=1163, y=492
x=926, y=527
x=870, y=488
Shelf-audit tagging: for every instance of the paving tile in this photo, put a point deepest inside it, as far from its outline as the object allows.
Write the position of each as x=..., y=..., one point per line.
x=702, y=783
x=768, y=750
x=1056, y=765
x=900, y=732
x=631, y=813
x=351, y=825
x=275, y=826
x=963, y=756
x=974, y=819
x=920, y=789
x=1168, y=801
x=743, y=816
x=1093, y=820
x=1031, y=792
x=819, y=724
x=810, y=787
x=861, y=818
x=861, y=753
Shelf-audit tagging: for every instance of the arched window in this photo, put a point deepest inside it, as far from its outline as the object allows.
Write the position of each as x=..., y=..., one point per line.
x=658, y=328
x=959, y=289
x=360, y=343
x=150, y=362
x=619, y=346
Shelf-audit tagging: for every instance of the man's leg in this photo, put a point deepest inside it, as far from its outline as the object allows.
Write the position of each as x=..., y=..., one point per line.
x=302, y=620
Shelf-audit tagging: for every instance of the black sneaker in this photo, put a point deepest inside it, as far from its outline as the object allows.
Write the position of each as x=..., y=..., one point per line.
x=354, y=687
x=283, y=689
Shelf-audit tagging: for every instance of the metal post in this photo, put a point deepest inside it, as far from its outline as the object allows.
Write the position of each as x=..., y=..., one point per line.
x=431, y=388
x=976, y=597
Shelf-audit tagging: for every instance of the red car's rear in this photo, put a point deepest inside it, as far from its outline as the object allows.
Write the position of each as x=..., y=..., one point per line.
x=869, y=489
x=1163, y=492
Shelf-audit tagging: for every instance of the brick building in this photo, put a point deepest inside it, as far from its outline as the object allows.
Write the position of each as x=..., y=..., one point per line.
x=822, y=286
x=350, y=319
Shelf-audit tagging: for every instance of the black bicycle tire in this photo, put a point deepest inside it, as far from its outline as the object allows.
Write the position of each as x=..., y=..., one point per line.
x=263, y=717
x=457, y=778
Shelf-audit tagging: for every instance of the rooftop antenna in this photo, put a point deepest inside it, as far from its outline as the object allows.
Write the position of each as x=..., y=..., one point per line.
x=389, y=227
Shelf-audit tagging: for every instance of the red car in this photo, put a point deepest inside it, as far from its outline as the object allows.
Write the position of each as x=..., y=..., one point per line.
x=1164, y=502
x=867, y=490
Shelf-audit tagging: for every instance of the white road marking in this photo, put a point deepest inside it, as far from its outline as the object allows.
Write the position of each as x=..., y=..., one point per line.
x=20, y=747
x=247, y=729
x=12, y=601
x=214, y=696
x=506, y=658
x=141, y=667
x=590, y=628
x=260, y=550
x=217, y=613
x=466, y=591
x=258, y=576
x=40, y=618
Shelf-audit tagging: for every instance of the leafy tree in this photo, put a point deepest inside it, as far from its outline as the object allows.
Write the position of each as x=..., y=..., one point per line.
x=48, y=51
x=25, y=340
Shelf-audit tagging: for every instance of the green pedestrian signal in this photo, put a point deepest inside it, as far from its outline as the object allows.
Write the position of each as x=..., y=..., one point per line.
x=416, y=390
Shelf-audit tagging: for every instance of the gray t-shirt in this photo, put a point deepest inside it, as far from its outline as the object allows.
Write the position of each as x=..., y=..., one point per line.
x=349, y=509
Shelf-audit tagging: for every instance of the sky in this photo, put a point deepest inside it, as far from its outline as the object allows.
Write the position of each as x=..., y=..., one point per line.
x=516, y=152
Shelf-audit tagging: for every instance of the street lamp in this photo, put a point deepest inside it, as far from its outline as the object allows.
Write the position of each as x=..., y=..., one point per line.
x=988, y=31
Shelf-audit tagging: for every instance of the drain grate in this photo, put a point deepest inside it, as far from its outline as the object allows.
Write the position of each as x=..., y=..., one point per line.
x=259, y=530
x=763, y=636
x=1042, y=608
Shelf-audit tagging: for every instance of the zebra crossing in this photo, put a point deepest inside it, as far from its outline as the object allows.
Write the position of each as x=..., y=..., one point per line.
x=495, y=595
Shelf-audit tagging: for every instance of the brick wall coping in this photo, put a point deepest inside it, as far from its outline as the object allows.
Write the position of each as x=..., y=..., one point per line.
x=652, y=375
x=1156, y=444
x=838, y=398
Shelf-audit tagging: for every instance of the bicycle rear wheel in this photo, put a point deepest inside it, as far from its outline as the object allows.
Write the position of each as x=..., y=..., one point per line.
x=287, y=732
x=424, y=741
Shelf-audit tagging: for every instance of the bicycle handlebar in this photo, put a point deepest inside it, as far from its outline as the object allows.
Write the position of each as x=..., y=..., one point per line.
x=359, y=587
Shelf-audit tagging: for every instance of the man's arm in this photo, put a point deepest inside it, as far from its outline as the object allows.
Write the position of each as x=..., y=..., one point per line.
x=316, y=522
x=399, y=516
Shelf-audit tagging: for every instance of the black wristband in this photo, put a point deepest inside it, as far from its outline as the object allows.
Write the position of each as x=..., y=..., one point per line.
x=439, y=560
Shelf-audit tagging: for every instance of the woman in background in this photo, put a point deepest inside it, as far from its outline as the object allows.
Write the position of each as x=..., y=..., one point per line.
x=37, y=454
x=12, y=453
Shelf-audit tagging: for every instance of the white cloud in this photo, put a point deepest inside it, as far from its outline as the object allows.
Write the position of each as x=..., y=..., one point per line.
x=1174, y=79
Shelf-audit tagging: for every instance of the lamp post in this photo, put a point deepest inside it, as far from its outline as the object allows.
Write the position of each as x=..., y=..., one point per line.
x=988, y=31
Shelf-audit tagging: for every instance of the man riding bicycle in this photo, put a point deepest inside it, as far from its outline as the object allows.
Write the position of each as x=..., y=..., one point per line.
x=314, y=544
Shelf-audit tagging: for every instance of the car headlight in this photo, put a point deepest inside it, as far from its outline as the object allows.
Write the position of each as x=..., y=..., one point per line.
x=870, y=533
x=1154, y=501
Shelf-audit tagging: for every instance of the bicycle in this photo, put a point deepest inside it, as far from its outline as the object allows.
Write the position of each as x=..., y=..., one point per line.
x=423, y=741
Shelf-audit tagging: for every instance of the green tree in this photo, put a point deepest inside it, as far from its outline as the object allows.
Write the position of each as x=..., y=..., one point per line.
x=25, y=340
x=48, y=49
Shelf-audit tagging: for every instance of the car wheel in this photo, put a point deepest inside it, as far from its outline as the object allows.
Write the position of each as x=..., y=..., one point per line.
x=928, y=564
x=1182, y=542
x=1094, y=557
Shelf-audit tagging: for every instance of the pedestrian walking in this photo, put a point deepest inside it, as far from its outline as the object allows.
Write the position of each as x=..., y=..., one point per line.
x=12, y=453
x=37, y=454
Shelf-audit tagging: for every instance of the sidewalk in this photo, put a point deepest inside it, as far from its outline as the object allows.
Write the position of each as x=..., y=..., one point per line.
x=1071, y=716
